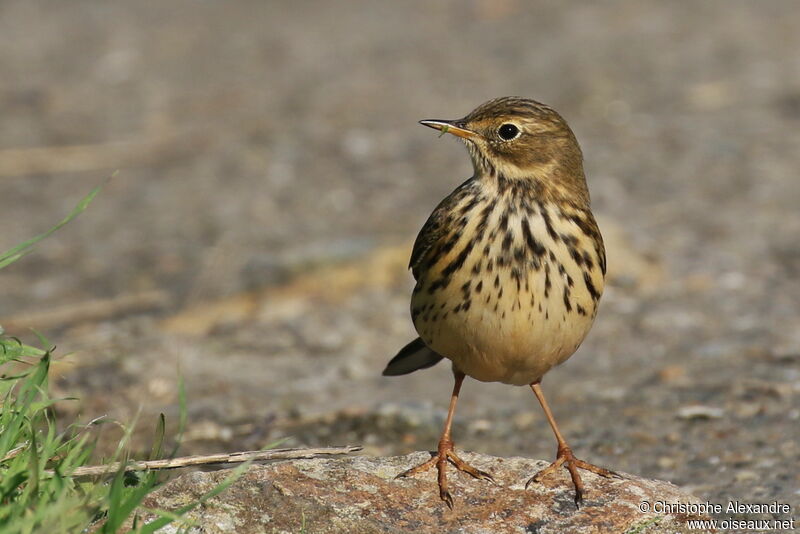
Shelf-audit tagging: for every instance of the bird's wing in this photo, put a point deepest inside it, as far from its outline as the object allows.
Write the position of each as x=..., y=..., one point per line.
x=413, y=357
x=436, y=228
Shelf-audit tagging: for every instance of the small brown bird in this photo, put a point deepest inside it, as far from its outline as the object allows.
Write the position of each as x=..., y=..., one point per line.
x=509, y=267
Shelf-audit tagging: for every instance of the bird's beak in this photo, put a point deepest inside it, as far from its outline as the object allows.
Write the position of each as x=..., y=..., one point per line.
x=451, y=127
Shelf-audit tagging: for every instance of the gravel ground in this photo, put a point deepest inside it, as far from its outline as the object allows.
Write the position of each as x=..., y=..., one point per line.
x=271, y=177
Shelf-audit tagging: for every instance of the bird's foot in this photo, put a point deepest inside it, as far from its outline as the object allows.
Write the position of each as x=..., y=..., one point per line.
x=446, y=453
x=568, y=460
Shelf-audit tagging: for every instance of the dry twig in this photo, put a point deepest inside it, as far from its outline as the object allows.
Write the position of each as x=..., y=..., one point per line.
x=14, y=452
x=187, y=461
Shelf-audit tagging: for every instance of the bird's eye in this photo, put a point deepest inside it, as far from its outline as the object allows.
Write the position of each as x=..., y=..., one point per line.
x=507, y=132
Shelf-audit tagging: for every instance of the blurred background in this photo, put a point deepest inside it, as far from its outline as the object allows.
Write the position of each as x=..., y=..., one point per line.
x=272, y=178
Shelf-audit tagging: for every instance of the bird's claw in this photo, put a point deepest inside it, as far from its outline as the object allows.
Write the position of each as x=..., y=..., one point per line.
x=440, y=459
x=444, y=494
x=419, y=468
x=461, y=465
x=566, y=458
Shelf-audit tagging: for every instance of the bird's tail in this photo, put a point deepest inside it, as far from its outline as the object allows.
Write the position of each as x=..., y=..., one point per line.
x=414, y=356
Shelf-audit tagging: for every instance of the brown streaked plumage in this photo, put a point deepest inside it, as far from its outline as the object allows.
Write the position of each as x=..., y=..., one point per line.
x=509, y=267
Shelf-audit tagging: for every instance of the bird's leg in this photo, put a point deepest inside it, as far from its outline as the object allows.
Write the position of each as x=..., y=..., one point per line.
x=446, y=452
x=564, y=456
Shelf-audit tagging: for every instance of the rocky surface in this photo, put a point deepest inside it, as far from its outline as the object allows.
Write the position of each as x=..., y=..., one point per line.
x=359, y=495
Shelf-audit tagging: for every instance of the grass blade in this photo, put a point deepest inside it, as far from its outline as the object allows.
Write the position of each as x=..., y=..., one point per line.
x=15, y=253
x=158, y=442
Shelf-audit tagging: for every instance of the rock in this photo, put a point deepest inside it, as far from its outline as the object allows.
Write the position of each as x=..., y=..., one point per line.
x=359, y=495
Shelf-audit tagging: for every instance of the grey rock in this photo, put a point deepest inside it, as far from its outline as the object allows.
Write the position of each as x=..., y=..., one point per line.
x=360, y=495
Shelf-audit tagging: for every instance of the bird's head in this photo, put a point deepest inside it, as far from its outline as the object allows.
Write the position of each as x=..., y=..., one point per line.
x=515, y=138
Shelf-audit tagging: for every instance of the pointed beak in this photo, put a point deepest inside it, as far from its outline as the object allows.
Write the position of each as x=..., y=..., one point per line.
x=452, y=127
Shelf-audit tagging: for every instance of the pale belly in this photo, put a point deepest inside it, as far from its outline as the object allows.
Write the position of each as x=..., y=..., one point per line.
x=500, y=324
x=507, y=344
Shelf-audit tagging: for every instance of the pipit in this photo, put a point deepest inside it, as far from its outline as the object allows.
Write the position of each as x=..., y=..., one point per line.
x=509, y=267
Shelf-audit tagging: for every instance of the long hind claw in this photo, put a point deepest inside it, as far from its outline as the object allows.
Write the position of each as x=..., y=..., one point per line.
x=446, y=453
x=566, y=458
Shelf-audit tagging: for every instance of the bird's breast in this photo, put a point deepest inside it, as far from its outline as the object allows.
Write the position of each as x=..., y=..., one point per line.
x=511, y=288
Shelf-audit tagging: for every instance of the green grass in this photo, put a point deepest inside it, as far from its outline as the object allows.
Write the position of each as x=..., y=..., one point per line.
x=39, y=454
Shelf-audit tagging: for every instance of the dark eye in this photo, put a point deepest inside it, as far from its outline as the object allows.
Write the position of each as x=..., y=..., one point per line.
x=507, y=132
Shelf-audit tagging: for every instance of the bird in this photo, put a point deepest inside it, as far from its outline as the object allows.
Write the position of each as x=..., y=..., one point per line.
x=509, y=269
